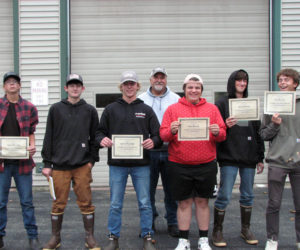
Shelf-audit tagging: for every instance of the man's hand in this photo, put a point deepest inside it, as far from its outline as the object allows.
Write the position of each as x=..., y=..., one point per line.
x=214, y=129
x=32, y=150
x=106, y=142
x=260, y=167
x=174, y=127
x=148, y=144
x=47, y=172
x=276, y=119
x=230, y=122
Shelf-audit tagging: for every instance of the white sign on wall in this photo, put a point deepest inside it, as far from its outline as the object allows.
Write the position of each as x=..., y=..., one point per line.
x=39, y=92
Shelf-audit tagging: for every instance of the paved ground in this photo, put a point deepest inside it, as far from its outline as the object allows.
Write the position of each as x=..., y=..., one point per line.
x=73, y=233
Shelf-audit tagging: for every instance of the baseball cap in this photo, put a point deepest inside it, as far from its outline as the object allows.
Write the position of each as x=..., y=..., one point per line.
x=158, y=70
x=11, y=74
x=129, y=75
x=74, y=78
x=190, y=76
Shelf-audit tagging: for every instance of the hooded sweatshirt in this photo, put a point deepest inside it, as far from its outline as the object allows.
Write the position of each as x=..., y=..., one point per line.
x=135, y=118
x=192, y=152
x=69, y=140
x=243, y=146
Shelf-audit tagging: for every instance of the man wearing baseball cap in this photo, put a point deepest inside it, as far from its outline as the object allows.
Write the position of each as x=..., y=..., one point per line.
x=69, y=154
x=129, y=116
x=18, y=117
x=159, y=97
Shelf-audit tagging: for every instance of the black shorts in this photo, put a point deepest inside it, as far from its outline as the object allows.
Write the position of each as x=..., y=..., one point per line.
x=189, y=181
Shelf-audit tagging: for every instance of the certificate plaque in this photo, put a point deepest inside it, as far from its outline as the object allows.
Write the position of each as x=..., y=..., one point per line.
x=244, y=108
x=281, y=102
x=127, y=147
x=14, y=147
x=193, y=129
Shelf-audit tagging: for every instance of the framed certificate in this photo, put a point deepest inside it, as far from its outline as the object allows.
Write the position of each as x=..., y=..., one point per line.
x=193, y=129
x=127, y=147
x=282, y=102
x=244, y=108
x=14, y=147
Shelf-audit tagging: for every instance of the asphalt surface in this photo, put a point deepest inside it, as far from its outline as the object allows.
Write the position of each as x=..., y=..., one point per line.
x=73, y=232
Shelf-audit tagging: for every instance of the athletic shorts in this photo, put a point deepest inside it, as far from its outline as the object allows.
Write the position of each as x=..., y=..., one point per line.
x=189, y=181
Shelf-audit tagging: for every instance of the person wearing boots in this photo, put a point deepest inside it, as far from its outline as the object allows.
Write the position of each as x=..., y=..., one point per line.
x=69, y=152
x=192, y=164
x=242, y=151
x=283, y=133
x=18, y=117
x=159, y=97
x=129, y=116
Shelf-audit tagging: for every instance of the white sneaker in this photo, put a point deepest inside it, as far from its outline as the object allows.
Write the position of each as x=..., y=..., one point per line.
x=298, y=245
x=203, y=244
x=271, y=245
x=183, y=244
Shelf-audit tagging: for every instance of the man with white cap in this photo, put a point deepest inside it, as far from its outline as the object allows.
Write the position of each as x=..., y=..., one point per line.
x=129, y=116
x=160, y=97
x=192, y=163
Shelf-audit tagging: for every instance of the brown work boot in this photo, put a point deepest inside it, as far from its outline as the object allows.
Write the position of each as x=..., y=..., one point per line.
x=148, y=243
x=217, y=235
x=246, y=234
x=90, y=242
x=54, y=242
x=113, y=243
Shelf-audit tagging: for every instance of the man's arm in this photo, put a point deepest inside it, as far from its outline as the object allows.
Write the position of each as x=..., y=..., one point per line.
x=270, y=126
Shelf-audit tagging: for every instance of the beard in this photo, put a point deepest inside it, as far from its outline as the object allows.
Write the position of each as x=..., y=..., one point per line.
x=159, y=87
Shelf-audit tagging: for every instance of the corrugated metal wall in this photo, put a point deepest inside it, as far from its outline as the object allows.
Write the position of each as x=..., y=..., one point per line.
x=209, y=37
x=39, y=44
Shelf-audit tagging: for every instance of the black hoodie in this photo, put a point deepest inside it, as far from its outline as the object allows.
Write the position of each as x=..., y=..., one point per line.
x=70, y=135
x=137, y=118
x=243, y=146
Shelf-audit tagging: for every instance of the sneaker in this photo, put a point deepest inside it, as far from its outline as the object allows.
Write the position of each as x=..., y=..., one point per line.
x=298, y=245
x=148, y=243
x=183, y=244
x=34, y=244
x=271, y=245
x=203, y=244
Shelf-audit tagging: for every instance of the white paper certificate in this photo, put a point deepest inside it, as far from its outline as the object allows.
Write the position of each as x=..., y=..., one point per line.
x=14, y=147
x=281, y=102
x=127, y=147
x=193, y=129
x=244, y=108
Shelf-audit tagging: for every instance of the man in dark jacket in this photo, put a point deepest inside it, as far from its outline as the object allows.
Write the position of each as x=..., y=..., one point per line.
x=241, y=152
x=129, y=116
x=69, y=153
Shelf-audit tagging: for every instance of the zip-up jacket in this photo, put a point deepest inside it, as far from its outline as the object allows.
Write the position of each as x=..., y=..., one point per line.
x=192, y=152
x=284, y=150
x=135, y=118
x=69, y=140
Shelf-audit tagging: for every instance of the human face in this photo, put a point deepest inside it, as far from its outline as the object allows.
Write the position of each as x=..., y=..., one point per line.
x=286, y=83
x=240, y=87
x=158, y=83
x=129, y=90
x=193, y=91
x=74, y=90
x=11, y=86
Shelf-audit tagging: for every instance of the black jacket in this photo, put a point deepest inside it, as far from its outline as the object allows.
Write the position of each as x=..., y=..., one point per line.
x=136, y=118
x=243, y=146
x=70, y=135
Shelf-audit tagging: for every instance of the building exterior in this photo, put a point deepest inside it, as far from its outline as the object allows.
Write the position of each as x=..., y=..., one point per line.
x=47, y=39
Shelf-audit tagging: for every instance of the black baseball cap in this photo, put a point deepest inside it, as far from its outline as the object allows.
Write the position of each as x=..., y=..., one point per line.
x=74, y=78
x=11, y=74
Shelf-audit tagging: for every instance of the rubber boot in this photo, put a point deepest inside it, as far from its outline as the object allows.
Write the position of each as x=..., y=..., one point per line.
x=113, y=243
x=246, y=234
x=90, y=242
x=217, y=235
x=54, y=242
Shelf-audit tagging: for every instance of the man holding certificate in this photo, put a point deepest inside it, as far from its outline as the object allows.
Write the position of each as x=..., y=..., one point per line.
x=129, y=129
x=283, y=158
x=192, y=127
x=18, y=120
x=69, y=154
x=241, y=152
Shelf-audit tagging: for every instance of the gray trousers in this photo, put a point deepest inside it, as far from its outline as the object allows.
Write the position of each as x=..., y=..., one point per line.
x=276, y=181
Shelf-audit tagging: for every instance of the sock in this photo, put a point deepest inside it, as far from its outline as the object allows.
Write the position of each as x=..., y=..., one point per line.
x=203, y=233
x=184, y=234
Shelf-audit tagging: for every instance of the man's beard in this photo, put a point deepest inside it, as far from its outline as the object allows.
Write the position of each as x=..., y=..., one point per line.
x=159, y=87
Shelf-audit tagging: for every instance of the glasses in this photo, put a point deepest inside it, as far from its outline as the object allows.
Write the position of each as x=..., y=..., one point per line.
x=11, y=82
x=284, y=79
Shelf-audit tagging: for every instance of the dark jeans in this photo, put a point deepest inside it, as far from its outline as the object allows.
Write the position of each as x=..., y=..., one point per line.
x=158, y=164
x=24, y=187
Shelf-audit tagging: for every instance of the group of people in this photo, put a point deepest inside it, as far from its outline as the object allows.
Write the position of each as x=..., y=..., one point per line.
x=188, y=168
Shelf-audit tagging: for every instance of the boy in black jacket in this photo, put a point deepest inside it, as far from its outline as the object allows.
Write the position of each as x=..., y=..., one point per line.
x=69, y=153
x=241, y=152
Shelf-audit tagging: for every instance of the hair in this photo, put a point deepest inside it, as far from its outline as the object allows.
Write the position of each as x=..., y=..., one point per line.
x=236, y=76
x=241, y=75
x=290, y=73
x=193, y=79
x=138, y=84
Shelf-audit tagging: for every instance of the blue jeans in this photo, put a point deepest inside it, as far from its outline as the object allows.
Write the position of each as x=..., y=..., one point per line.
x=159, y=163
x=228, y=176
x=141, y=181
x=24, y=187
